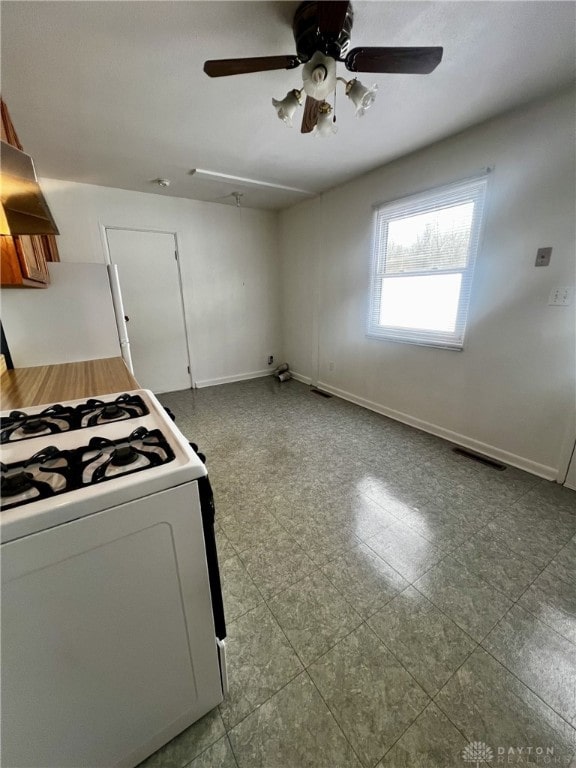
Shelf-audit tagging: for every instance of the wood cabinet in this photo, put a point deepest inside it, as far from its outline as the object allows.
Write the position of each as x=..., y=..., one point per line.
x=24, y=257
x=23, y=263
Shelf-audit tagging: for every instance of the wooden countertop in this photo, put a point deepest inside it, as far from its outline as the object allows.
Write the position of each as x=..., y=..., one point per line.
x=47, y=384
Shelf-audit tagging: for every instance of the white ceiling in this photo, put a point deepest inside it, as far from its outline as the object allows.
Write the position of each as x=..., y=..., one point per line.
x=113, y=93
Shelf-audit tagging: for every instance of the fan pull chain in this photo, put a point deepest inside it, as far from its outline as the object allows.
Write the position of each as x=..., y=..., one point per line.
x=335, y=95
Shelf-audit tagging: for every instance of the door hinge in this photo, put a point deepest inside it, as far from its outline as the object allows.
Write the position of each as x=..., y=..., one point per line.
x=176, y=255
x=188, y=369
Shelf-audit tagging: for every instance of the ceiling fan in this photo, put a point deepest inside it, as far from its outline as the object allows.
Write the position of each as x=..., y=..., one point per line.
x=322, y=33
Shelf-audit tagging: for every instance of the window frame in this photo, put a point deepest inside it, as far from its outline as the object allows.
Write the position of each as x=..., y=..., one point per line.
x=473, y=189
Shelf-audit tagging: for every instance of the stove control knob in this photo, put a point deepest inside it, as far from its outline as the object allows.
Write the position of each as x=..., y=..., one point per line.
x=169, y=412
x=197, y=452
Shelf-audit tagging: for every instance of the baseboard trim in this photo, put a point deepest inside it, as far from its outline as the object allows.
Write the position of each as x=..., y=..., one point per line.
x=299, y=377
x=542, y=470
x=232, y=379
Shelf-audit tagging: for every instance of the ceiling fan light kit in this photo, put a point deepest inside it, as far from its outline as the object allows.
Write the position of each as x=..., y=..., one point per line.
x=318, y=83
x=322, y=34
x=361, y=96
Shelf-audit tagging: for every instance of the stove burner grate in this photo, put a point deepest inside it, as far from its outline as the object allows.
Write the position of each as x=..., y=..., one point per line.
x=21, y=426
x=45, y=474
x=55, y=419
x=95, y=412
x=105, y=459
x=50, y=472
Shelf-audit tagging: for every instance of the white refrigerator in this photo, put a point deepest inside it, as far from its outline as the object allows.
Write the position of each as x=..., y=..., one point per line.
x=79, y=316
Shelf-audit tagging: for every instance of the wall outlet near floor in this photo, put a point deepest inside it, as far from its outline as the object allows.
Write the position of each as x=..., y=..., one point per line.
x=331, y=365
x=270, y=359
x=560, y=297
x=543, y=257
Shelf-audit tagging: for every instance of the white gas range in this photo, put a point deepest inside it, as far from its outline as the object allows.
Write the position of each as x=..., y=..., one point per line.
x=112, y=621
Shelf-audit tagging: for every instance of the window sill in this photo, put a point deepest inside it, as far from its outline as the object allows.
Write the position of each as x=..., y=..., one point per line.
x=450, y=346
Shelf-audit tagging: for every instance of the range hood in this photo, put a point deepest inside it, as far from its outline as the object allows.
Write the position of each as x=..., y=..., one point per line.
x=24, y=209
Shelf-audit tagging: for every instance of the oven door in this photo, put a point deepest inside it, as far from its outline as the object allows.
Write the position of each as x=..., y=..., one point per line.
x=108, y=642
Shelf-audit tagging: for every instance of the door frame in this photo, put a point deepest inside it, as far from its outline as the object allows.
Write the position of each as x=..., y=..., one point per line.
x=103, y=234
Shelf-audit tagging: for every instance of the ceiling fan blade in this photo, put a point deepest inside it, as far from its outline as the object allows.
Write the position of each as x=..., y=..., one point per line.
x=331, y=17
x=409, y=61
x=225, y=67
x=311, y=114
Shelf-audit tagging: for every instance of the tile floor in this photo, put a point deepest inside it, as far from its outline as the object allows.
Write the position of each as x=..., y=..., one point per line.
x=388, y=601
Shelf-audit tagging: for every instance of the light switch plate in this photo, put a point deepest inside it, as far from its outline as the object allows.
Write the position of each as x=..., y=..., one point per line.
x=543, y=257
x=560, y=297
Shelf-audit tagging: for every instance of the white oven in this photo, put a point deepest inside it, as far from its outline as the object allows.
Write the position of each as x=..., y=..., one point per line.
x=112, y=622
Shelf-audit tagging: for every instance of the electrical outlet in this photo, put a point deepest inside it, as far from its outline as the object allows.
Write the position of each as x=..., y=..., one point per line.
x=270, y=359
x=331, y=365
x=543, y=257
x=560, y=297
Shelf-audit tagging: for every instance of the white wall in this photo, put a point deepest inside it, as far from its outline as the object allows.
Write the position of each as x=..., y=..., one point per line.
x=228, y=262
x=510, y=393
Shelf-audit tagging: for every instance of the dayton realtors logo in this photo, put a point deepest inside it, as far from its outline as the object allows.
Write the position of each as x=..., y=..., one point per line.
x=477, y=752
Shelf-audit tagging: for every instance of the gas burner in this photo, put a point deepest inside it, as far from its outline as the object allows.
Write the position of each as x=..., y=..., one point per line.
x=112, y=411
x=34, y=426
x=21, y=426
x=16, y=483
x=105, y=459
x=47, y=473
x=123, y=456
x=96, y=412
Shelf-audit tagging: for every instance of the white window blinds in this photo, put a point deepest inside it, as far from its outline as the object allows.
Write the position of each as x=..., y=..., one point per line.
x=424, y=250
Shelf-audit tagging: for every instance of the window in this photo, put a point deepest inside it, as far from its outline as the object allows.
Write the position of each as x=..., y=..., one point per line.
x=423, y=258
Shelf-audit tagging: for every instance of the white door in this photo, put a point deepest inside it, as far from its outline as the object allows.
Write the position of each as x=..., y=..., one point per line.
x=152, y=295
